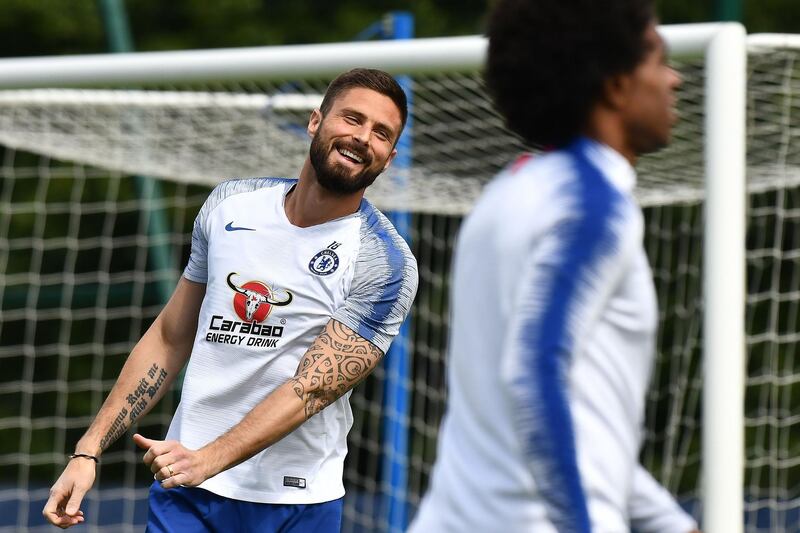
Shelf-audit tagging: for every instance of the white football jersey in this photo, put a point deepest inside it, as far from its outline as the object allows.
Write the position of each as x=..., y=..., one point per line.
x=552, y=342
x=270, y=289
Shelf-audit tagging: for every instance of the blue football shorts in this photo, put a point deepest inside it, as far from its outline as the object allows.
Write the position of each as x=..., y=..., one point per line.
x=191, y=509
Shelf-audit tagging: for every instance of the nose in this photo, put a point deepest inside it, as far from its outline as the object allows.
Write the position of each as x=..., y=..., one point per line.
x=676, y=80
x=361, y=135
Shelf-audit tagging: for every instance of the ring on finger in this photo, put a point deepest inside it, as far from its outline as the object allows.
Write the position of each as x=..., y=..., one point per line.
x=169, y=468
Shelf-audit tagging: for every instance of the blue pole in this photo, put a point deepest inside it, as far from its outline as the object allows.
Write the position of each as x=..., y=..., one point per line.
x=396, y=400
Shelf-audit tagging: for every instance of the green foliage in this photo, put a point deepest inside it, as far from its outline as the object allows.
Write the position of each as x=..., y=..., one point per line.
x=50, y=27
x=776, y=16
x=198, y=24
x=683, y=11
x=53, y=27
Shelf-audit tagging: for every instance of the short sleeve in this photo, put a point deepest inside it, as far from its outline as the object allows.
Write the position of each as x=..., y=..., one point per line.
x=197, y=268
x=384, y=282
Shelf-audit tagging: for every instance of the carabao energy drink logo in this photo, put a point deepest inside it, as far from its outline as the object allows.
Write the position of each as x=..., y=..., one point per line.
x=254, y=300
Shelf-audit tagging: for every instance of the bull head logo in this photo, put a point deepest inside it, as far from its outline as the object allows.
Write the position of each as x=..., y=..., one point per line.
x=255, y=297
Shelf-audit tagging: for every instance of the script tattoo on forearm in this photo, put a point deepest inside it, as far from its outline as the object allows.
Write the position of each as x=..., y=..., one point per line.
x=337, y=361
x=138, y=400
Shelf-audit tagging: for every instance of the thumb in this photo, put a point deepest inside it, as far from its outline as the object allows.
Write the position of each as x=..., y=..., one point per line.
x=143, y=442
x=74, y=502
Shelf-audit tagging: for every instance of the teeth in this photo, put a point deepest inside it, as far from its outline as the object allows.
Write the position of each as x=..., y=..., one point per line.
x=351, y=155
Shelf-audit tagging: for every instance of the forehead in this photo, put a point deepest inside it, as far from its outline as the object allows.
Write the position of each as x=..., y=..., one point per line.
x=653, y=41
x=369, y=103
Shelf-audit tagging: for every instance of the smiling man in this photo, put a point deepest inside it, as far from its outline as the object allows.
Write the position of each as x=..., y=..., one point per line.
x=293, y=293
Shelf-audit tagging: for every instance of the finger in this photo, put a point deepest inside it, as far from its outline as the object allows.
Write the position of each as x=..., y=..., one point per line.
x=163, y=467
x=65, y=521
x=74, y=503
x=143, y=442
x=51, y=511
x=57, y=517
x=159, y=448
x=146, y=444
x=162, y=461
x=163, y=474
x=177, y=480
x=54, y=510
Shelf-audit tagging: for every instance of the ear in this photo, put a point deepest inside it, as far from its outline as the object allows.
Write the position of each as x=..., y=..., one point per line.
x=616, y=90
x=313, y=122
x=389, y=159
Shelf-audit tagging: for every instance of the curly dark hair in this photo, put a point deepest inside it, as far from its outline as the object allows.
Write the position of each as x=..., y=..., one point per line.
x=548, y=60
x=366, y=78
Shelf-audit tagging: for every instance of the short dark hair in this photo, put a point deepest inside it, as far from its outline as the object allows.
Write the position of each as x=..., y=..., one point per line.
x=548, y=60
x=366, y=78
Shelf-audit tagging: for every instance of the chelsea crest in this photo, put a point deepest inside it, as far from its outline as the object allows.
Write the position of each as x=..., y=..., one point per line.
x=324, y=263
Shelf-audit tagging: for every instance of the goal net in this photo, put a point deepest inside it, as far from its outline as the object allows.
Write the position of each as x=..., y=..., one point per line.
x=99, y=188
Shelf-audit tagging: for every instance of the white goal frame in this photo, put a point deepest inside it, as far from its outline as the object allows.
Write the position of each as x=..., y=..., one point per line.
x=724, y=46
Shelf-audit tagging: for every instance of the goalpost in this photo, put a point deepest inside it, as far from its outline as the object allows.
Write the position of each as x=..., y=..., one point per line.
x=79, y=278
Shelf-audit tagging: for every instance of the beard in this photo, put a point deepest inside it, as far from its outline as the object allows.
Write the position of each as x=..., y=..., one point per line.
x=335, y=177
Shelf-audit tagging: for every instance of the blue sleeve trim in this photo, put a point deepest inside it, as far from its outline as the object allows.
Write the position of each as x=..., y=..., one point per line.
x=395, y=259
x=547, y=341
x=384, y=283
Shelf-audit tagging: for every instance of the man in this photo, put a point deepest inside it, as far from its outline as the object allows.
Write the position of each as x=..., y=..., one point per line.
x=548, y=375
x=292, y=294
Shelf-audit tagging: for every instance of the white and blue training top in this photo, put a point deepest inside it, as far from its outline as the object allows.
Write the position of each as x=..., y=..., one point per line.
x=552, y=344
x=270, y=289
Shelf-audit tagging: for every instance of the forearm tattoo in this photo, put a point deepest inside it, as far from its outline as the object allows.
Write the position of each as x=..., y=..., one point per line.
x=335, y=363
x=138, y=400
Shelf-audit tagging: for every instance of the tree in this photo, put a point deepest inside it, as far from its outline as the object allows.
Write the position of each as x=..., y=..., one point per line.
x=53, y=27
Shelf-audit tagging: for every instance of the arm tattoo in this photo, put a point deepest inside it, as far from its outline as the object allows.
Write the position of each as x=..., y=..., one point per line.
x=335, y=363
x=138, y=400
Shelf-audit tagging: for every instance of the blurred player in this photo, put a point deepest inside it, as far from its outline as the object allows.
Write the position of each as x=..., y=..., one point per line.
x=293, y=293
x=554, y=308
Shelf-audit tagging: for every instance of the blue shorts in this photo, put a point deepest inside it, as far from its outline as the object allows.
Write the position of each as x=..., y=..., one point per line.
x=190, y=509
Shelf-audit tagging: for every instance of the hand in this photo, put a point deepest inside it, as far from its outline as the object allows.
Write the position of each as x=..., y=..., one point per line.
x=63, y=507
x=172, y=464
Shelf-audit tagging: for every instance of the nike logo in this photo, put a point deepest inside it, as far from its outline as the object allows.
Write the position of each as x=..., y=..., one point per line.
x=231, y=227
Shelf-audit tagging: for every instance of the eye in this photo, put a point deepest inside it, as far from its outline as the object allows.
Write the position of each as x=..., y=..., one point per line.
x=350, y=119
x=382, y=135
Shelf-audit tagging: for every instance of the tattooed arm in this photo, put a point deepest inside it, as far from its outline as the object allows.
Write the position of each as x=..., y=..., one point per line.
x=147, y=374
x=337, y=360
